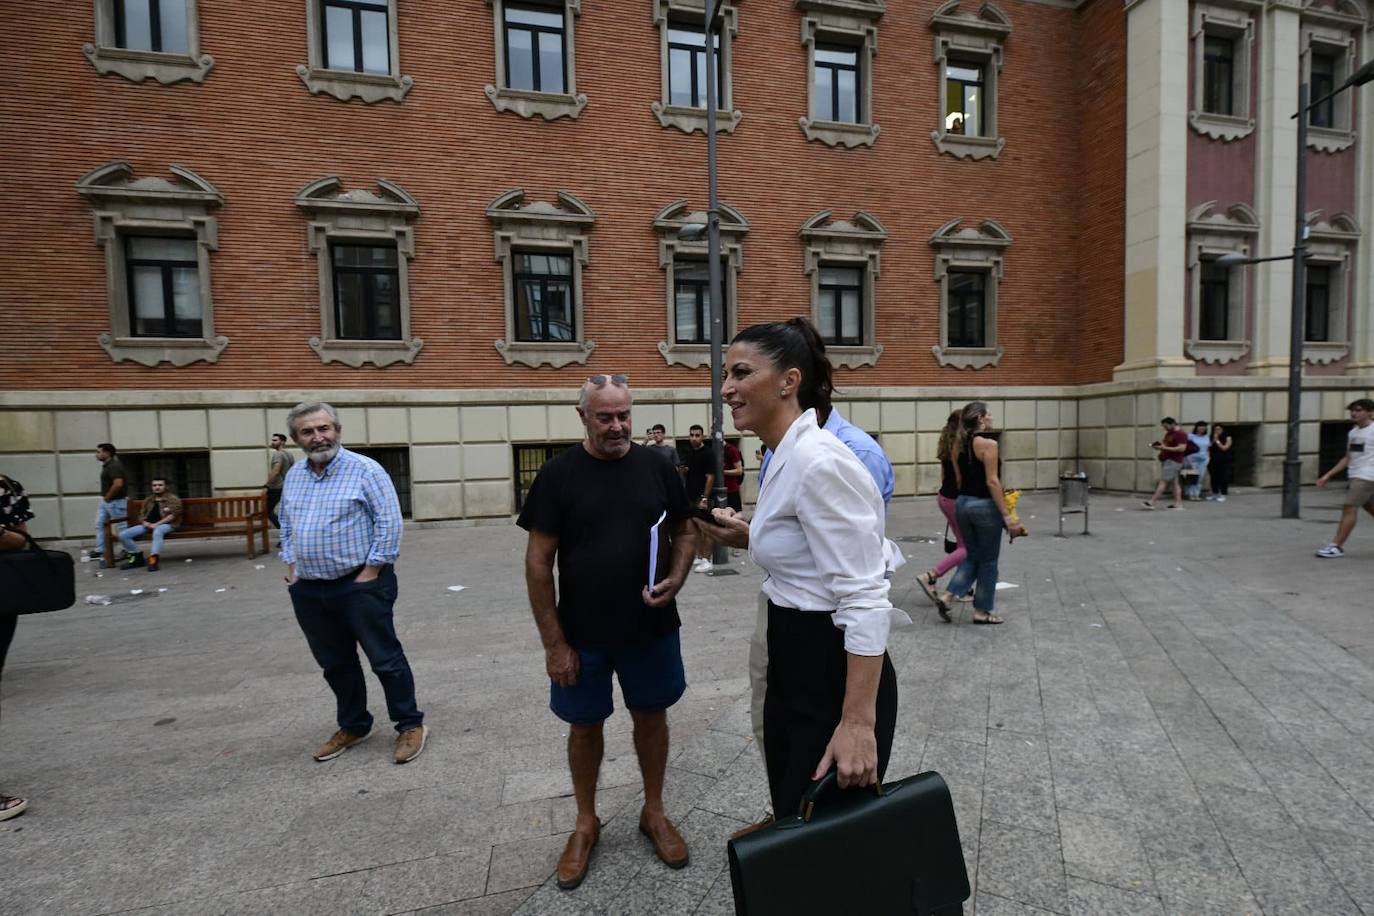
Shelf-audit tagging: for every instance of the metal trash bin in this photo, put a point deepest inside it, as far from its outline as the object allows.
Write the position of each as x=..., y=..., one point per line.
x=1073, y=498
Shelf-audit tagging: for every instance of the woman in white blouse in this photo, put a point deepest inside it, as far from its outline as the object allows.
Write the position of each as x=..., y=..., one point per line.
x=818, y=532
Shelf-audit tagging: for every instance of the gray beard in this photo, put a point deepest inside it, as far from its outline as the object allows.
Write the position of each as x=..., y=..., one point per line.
x=325, y=456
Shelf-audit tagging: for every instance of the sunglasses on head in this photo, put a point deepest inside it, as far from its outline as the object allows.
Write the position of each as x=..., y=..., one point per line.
x=617, y=379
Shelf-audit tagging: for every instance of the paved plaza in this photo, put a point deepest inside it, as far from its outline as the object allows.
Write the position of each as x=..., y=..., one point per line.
x=1178, y=717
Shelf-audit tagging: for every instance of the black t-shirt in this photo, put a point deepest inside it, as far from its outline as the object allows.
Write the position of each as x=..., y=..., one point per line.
x=602, y=512
x=700, y=462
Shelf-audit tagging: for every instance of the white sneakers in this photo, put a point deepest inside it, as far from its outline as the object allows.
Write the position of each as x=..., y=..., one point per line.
x=702, y=565
x=1330, y=552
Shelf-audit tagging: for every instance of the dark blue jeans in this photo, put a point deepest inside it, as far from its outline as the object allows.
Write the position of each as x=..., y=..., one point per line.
x=337, y=616
x=981, y=525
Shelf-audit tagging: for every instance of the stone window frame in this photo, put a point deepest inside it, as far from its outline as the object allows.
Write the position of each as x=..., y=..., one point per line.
x=554, y=228
x=1333, y=243
x=1237, y=23
x=733, y=228
x=137, y=66
x=973, y=37
x=351, y=84
x=123, y=206
x=528, y=104
x=360, y=215
x=975, y=248
x=667, y=13
x=1210, y=235
x=1337, y=31
x=851, y=22
x=855, y=242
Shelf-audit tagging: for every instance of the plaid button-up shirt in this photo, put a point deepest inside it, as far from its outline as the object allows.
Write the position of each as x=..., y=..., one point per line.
x=334, y=522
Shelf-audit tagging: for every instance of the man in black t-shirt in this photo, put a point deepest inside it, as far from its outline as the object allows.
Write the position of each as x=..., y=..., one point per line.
x=597, y=509
x=698, y=468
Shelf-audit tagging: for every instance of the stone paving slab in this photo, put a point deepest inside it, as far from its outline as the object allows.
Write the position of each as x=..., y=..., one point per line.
x=1177, y=718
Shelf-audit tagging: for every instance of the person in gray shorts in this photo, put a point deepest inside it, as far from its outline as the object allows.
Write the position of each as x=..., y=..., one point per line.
x=1172, y=449
x=1359, y=459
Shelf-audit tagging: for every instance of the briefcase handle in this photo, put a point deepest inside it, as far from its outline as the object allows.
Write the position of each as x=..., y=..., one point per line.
x=818, y=788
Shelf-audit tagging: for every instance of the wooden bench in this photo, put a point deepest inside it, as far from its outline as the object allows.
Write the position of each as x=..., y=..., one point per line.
x=205, y=517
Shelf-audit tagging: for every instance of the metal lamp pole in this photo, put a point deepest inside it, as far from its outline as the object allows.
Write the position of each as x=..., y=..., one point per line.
x=720, y=554
x=1292, y=463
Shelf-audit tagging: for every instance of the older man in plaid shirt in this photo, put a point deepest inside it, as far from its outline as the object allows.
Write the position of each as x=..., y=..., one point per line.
x=340, y=535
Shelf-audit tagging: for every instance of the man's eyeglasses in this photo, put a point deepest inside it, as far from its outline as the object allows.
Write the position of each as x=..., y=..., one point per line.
x=618, y=379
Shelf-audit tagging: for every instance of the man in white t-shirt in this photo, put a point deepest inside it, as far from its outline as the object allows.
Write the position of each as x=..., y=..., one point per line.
x=1359, y=459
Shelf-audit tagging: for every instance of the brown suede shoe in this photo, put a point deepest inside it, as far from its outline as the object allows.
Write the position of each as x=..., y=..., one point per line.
x=745, y=831
x=668, y=843
x=577, y=857
x=340, y=742
x=410, y=743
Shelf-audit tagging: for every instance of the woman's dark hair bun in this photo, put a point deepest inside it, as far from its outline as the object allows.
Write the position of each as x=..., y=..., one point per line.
x=796, y=344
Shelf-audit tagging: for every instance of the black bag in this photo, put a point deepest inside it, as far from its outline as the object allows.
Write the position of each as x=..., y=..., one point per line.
x=34, y=580
x=892, y=852
x=951, y=543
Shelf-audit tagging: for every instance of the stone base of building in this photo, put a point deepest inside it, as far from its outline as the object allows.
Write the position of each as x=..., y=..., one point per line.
x=469, y=454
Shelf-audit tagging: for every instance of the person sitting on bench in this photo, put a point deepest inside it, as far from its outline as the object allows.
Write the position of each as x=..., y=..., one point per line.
x=161, y=516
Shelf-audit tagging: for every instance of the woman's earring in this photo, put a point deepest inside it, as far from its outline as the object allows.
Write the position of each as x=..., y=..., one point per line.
x=783, y=393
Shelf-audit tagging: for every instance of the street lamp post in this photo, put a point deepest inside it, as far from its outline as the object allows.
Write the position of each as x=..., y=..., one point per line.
x=721, y=554
x=1292, y=463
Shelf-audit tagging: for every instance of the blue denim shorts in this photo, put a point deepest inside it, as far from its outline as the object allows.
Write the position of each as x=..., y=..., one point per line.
x=651, y=678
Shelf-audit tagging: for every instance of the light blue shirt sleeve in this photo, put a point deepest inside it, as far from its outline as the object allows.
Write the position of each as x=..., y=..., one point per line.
x=386, y=518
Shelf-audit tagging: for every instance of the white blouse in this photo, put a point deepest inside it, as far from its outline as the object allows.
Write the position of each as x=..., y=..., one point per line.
x=818, y=532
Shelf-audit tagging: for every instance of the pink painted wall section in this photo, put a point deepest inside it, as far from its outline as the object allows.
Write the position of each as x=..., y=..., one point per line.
x=1331, y=181
x=1224, y=172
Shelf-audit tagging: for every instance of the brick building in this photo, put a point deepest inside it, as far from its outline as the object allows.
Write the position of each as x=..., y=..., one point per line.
x=442, y=217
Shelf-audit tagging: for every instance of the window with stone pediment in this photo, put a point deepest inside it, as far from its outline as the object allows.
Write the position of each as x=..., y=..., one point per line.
x=968, y=53
x=148, y=39
x=685, y=267
x=157, y=236
x=843, y=258
x=542, y=250
x=353, y=50
x=362, y=242
x=536, y=58
x=1218, y=295
x=682, y=51
x=841, y=41
x=1223, y=46
x=968, y=273
x=1332, y=243
x=1330, y=47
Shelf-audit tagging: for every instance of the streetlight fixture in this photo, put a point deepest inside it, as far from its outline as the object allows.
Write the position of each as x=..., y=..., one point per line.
x=1292, y=464
x=720, y=555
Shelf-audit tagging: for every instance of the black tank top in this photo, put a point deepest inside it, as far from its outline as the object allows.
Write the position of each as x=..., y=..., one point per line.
x=974, y=476
x=949, y=484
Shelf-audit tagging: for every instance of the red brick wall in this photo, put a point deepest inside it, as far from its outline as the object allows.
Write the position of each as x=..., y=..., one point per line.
x=254, y=131
x=1100, y=76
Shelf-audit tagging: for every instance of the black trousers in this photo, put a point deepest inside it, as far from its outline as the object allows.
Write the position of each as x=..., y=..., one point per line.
x=807, y=667
x=273, y=498
x=1220, y=474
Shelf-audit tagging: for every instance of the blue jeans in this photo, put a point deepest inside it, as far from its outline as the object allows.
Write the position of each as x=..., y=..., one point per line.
x=109, y=509
x=129, y=535
x=339, y=615
x=1194, y=489
x=981, y=525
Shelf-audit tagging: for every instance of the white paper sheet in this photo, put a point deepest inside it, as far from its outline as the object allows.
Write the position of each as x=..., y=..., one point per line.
x=653, y=549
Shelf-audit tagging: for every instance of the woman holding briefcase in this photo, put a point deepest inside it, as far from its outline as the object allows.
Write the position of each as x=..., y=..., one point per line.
x=818, y=532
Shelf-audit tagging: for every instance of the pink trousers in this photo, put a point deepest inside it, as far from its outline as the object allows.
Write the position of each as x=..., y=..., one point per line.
x=951, y=560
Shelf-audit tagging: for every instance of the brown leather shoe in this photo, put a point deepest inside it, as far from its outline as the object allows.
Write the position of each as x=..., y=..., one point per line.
x=668, y=843
x=337, y=744
x=745, y=831
x=577, y=857
x=410, y=743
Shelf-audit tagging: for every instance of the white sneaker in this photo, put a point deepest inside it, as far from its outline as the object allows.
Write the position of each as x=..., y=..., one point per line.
x=1330, y=552
x=701, y=564
x=706, y=566
x=1221, y=499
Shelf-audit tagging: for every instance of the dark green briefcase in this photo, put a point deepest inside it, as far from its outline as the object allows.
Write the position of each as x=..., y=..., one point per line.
x=883, y=853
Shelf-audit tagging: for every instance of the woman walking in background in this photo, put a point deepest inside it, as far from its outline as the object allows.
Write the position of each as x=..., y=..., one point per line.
x=1220, y=464
x=1196, y=460
x=949, y=493
x=981, y=509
